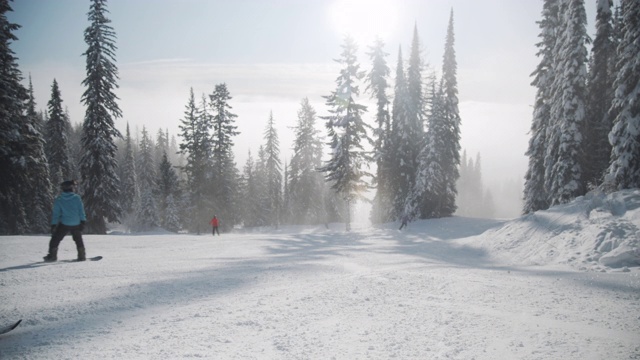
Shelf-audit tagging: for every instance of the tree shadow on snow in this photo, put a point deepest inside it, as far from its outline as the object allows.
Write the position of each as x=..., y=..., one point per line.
x=434, y=240
x=305, y=246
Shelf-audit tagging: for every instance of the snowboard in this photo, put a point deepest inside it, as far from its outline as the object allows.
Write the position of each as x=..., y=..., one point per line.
x=95, y=258
x=6, y=329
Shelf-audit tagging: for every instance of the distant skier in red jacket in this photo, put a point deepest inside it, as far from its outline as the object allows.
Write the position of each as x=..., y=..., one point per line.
x=214, y=223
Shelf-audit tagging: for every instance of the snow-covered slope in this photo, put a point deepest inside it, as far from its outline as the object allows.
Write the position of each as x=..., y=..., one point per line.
x=594, y=232
x=454, y=288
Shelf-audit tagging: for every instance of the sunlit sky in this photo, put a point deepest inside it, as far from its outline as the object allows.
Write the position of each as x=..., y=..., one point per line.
x=273, y=53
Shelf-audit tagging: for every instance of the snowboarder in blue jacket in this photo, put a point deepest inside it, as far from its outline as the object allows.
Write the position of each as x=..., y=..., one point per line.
x=68, y=216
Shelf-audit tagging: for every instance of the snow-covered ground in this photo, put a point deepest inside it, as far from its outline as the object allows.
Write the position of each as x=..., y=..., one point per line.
x=558, y=284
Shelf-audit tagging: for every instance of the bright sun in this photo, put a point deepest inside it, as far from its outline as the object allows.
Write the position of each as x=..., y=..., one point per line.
x=364, y=20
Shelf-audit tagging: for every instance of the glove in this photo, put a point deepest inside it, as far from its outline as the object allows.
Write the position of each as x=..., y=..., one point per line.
x=81, y=226
x=53, y=229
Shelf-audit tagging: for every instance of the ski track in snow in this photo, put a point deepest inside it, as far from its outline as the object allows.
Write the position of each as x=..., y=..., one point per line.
x=376, y=293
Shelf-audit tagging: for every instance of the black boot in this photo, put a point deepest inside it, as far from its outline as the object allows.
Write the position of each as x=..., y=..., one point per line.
x=52, y=256
x=82, y=256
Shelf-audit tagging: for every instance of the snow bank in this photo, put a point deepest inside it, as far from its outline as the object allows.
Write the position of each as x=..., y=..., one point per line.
x=594, y=232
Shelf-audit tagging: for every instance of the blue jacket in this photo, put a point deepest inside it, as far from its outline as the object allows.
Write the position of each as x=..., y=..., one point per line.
x=68, y=210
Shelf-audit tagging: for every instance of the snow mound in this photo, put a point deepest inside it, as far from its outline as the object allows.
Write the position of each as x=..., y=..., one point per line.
x=594, y=232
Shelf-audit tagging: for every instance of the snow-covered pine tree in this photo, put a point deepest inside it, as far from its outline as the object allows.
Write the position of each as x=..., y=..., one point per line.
x=57, y=129
x=175, y=157
x=100, y=182
x=38, y=115
x=224, y=171
x=75, y=146
x=624, y=171
x=146, y=165
x=248, y=198
x=129, y=185
x=618, y=35
x=162, y=145
x=345, y=169
x=274, y=171
x=434, y=192
x=172, y=220
x=600, y=96
x=377, y=86
x=233, y=215
x=426, y=196
x=168, y=187
x=536, y=196
x=38, y=192
x=147, y=209
x=196, y=145
x=565, y=162
x=146, y=212
x=262, y=217
x=305, y=182
x=13, y=219
x=415, y=100
x=400, y=147
x=450, y=151
x=409, y=136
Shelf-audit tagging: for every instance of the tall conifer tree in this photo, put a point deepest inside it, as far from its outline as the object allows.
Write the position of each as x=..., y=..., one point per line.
x=415, y=99
x=146, y=161
x=168, y=191
x=451, y=118
x=129, y=193
x=262, y=201
x=98, y=166
x=274, y=171
x=38, y=192
x=345, y=169
x=147, y=209
x=600, y=96
x=426, y=196
x=536, y=196
x=57, y=129
x=305, y=182
x=624, y=171
x=196, y=145
x=249, y=194
x=401, y=147
x=377, y=86
x=225, y=174
x=13, y=218
x=565, y=161
x=433, y=193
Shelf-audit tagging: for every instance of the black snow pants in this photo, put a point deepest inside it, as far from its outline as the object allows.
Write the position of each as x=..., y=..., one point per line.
x=61, y=231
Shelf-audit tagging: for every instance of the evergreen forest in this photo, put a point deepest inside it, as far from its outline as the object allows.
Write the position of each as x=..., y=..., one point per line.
x=403, y=154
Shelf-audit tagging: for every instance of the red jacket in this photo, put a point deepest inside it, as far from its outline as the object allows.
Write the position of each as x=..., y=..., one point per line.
x=214, y=221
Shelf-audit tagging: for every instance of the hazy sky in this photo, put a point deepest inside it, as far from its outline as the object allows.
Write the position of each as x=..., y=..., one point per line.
x=273, y=53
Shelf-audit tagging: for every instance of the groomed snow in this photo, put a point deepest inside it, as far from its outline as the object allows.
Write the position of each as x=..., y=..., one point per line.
x=455, y=288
